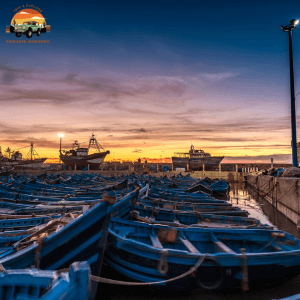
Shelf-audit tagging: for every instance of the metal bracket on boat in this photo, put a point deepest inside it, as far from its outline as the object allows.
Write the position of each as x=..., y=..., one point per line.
x=111, y=199
x=163, y=264
x=245, y=285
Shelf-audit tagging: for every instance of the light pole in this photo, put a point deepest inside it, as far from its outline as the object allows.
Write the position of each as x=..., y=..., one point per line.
x=60, y=135
x=289, y=28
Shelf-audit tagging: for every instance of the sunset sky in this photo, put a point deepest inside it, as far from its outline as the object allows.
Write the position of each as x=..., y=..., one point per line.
x=149, y=78
x=26, y=14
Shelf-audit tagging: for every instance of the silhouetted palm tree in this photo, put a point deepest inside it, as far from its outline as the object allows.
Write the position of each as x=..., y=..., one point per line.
x=8, y=150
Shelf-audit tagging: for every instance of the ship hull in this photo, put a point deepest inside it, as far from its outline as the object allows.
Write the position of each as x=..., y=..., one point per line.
x=196, y=163
x=24, y=164
x=93, y=161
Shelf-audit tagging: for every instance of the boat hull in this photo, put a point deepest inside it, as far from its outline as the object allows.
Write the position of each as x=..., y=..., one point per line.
x=24, y=164
x=93, y=161
x=196, y=163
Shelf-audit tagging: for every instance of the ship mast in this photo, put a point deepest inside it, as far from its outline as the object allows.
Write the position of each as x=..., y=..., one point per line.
x=32, y=152
x=94, y=143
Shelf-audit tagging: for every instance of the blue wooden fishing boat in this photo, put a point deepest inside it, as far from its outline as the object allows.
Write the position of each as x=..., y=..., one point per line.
x=23, y=223
x=182, y=198
x=219, y=187
x=199, y=187
x=34, y=284
x=182, y=218
x=293, y=297
x=221, y=258
x=217, y=209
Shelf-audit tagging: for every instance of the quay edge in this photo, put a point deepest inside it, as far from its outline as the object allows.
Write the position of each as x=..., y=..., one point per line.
x=230, y=176
x=282, y=192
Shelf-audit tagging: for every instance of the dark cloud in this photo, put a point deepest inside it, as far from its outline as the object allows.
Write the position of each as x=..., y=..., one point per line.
x=9, y=75
x=71, y=77
x=98, y=90
x=137, y=151
x=54, y=97
x=25, y=143
x=15, y=131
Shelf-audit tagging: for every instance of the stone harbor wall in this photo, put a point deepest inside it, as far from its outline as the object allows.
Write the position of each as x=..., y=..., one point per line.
x=282, y=192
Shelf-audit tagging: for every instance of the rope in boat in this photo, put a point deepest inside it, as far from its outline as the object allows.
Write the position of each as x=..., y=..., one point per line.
x=118, y=282
x=112, y=281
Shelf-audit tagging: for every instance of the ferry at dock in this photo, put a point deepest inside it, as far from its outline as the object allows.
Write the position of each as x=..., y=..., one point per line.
x=195, y=159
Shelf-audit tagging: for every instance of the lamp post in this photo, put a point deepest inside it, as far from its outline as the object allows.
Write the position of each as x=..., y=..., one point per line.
x=289, y=28
x=60, y=135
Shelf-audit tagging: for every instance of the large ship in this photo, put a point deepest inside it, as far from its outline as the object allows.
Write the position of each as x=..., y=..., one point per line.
x=195, y=159
x=79, y=158
x=17, y=161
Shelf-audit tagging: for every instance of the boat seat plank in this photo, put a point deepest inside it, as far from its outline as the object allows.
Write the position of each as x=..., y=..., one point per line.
x=155, y=241
x=189, y=245
x=221, y=246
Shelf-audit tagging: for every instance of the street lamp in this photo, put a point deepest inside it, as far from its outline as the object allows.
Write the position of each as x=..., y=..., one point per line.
x=60, y=135
x=289, y=28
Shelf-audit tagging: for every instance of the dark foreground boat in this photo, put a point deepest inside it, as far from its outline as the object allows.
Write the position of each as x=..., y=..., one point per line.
x=223, y=257
x=79, y=158
x=33, y=284
x=58, y=245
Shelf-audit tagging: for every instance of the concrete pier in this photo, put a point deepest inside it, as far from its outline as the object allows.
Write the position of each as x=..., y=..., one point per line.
x=282, y=192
